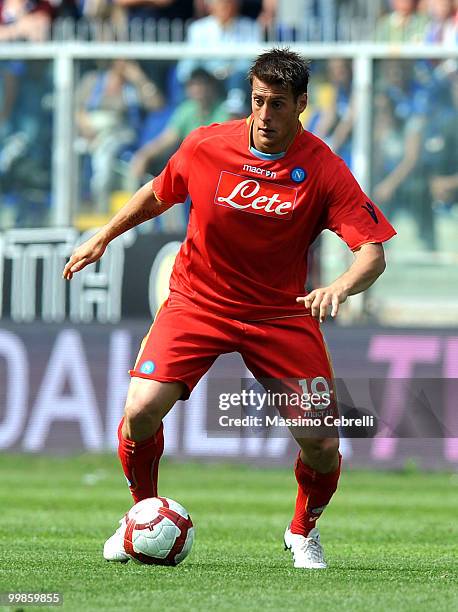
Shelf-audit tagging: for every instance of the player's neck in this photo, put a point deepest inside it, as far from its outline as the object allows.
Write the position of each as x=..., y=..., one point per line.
x=279, y=151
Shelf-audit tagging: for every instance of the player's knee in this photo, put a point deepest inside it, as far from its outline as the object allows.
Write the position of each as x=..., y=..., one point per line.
x=328, y=447
x=320, y=453
x=142, y=416
x=135, y=412
x=148, y=401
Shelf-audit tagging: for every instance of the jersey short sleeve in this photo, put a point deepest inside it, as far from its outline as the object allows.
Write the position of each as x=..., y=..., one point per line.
x=351, y=213
x=171, y=186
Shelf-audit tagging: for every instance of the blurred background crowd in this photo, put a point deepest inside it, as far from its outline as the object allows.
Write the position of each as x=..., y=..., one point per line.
x=130, y=115
x=205, y=21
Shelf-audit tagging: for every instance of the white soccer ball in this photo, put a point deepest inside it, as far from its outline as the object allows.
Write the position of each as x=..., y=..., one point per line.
x=158, y=531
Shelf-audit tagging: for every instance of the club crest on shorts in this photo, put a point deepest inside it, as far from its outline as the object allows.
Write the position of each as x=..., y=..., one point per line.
x=147, y=367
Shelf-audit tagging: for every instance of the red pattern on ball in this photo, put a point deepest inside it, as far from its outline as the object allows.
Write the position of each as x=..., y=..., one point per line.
x=183, y=524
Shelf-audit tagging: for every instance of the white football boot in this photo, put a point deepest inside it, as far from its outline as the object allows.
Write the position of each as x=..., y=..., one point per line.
x=113, y=549
x=307, y=551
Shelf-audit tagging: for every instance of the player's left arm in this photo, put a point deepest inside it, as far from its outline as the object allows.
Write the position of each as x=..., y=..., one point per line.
x=368, y=265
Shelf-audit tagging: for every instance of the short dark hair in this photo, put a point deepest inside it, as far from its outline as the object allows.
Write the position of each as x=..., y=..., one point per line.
x=282, y=67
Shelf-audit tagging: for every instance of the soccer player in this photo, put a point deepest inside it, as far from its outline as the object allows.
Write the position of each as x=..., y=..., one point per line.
x=262, y=190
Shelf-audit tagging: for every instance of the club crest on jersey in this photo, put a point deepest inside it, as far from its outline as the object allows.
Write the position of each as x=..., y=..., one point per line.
x=255, y=196
x=298, y=174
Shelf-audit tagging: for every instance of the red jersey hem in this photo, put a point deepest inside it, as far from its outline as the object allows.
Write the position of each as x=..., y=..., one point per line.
x=385, y=238
x=239, y=312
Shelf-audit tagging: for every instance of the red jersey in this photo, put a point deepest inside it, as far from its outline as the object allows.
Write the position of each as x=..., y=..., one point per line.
x=252, y=221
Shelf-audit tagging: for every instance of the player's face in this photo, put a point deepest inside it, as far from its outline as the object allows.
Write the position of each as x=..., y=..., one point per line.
x=275, y=116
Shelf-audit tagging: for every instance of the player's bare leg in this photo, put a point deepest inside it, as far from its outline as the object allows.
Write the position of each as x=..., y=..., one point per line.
x=141, y=444
x=317, y=471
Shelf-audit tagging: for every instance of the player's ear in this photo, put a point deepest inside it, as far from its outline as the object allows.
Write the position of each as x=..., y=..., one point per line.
x=302, y=102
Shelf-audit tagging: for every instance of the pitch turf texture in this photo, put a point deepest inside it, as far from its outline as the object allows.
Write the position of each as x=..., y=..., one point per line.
x=390, y=539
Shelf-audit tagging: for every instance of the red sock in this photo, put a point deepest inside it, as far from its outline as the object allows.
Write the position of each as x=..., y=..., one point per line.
x=313, y=495
x=140, y=462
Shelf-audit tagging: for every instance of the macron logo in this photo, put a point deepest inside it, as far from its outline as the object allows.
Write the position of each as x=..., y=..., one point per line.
x=262, y=171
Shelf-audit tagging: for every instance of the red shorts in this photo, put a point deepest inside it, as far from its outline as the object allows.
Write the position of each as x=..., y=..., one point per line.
x=184, y=341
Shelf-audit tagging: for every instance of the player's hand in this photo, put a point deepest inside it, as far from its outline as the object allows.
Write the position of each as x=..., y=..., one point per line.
x=88, y=252
x=320, y=300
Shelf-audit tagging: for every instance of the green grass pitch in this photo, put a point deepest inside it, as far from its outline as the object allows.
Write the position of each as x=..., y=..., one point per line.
x=390, y=539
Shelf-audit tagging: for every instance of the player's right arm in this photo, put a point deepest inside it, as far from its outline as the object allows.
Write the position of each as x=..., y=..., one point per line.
x=141, y=207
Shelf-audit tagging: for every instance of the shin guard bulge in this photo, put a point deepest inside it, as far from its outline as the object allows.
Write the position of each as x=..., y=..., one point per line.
x=313, y=495
x=140, y=463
